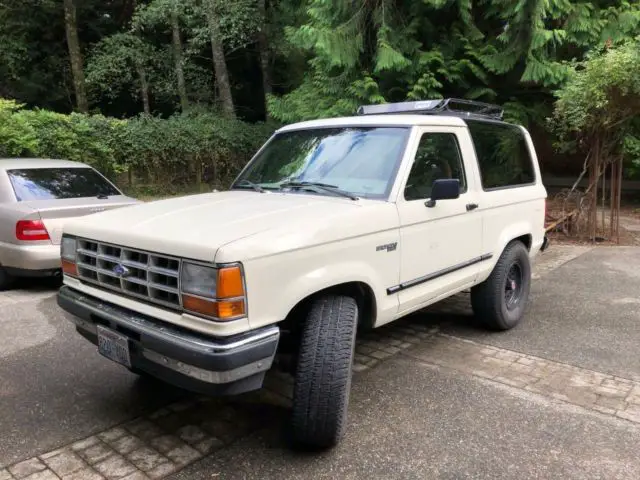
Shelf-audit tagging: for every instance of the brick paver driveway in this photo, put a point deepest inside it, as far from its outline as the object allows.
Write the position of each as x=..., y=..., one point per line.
x=433, y=396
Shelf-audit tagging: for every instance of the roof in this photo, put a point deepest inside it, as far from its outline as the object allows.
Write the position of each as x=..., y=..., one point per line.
x=399, y=120
x=16, y=163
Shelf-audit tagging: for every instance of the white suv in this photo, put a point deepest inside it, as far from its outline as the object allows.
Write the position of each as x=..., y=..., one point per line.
x=334, y=226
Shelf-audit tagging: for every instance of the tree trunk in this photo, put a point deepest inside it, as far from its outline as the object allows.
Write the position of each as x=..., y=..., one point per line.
x=620, y=162
x=126, y=12
x=177, y=58
x=144, y=89
x=219, y=62
x=75, y=56
x=594, y=179
x=263, y=45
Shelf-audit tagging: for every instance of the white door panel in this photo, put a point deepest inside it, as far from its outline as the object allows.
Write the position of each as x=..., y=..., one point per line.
x=441, y=246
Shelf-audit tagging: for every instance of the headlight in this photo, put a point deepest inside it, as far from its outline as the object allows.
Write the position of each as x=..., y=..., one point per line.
x=217, y=293
x=199, y=280
x=68, y=249
x=68, y=255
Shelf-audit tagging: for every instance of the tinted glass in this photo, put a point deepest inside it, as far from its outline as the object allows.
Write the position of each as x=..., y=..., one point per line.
x=503, y=155
x=438, y=157
x=360, y=160
x=58, y=183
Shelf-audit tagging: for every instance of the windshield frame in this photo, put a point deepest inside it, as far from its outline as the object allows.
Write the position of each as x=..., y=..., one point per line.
x=385, y=196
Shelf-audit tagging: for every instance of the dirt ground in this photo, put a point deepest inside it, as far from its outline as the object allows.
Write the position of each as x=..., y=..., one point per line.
x=629, y=225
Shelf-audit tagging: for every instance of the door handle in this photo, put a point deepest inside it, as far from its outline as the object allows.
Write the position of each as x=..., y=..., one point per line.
x=471, y=206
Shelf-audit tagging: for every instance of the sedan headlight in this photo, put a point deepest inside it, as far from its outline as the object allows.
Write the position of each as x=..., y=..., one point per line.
x=68, y=247
x=215, y=292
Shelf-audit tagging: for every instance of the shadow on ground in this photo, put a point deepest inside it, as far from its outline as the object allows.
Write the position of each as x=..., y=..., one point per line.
x=411, y=420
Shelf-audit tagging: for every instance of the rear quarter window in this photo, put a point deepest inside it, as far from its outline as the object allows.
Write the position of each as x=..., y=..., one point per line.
x=58, y=183
x=503, y=155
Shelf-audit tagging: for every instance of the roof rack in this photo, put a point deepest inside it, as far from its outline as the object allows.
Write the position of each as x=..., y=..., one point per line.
x=437, y=107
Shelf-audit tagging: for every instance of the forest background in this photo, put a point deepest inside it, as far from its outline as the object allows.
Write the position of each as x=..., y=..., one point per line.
x=174, y=96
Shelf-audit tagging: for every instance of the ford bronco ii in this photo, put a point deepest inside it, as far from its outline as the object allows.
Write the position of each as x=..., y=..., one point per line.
x=335, y=225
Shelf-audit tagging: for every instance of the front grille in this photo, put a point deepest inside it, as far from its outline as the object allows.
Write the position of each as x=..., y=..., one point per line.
x=147, y=276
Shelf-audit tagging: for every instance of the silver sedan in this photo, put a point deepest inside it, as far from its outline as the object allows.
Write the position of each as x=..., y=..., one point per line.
x=37, y=196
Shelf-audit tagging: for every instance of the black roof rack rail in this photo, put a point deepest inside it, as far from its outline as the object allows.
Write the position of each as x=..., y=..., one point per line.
x=437, y=107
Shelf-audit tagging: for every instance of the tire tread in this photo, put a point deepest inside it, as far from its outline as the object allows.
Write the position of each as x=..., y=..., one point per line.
x=487, y=298
x=323, y=376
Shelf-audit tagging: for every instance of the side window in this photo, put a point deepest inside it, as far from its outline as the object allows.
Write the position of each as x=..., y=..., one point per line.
x=503, y=155
x=438, y=156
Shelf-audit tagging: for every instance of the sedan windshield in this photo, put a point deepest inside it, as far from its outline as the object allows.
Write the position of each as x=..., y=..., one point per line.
x=356, y=161
x=58, y=183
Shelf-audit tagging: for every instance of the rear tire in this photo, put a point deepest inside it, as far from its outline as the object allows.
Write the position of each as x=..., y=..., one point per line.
x=6, y=280
x=500, y=301
x=323, y=374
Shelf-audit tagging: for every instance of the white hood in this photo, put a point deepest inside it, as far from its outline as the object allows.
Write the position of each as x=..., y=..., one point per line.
x=197, y=226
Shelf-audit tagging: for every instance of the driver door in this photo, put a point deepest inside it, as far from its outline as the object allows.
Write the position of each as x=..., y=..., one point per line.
x=439, y=244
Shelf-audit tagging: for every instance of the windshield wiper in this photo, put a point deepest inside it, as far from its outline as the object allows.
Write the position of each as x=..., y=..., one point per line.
x=102, y=196
x=322, y=186
x=257, y=188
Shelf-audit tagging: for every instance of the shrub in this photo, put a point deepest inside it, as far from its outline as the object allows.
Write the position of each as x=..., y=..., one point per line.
x=173, y=154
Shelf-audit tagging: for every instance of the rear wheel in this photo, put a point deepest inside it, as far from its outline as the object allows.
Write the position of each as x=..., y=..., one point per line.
x=323, y=373
x=6, y=280
x=500, y=301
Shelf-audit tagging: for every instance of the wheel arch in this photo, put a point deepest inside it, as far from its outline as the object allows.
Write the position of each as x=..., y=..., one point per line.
x=518, y=233
x=526, y=239
x=521, y=232
x=361, y=291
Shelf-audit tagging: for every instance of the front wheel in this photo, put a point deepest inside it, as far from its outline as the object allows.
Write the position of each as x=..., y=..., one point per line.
x=500, y=301
x=323, y=373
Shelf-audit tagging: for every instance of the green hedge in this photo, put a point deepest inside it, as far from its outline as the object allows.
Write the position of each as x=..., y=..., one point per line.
x=144, y=153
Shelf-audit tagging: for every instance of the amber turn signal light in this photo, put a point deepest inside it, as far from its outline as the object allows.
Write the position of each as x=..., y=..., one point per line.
x=69, y=268
x=219, y=310
x=230, y=283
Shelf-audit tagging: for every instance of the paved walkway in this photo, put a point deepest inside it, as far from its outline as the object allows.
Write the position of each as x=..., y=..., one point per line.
x=433, y=397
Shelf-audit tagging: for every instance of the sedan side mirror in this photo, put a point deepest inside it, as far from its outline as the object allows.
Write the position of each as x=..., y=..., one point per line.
x=444, y=189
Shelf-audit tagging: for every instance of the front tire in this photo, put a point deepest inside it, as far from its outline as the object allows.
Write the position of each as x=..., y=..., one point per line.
x=500, y=301
x=323, y=373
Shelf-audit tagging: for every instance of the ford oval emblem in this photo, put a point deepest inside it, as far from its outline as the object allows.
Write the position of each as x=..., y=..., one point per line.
x=121, y=271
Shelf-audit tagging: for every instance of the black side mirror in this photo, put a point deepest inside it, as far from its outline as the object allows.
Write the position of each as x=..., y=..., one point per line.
x=444, y=189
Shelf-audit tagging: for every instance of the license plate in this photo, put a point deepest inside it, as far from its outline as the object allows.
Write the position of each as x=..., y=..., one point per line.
x=114, y=346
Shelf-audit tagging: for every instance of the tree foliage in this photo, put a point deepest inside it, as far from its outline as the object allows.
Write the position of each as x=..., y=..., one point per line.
x=298, y=60
x=514, y=51
x=114, y=65
x=158, y=150
x=601, y=102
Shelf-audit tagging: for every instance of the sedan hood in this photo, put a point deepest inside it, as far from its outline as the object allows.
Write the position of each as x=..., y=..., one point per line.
x=197, y=226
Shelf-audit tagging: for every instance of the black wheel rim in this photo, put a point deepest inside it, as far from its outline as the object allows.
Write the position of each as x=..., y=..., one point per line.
x=513, y=287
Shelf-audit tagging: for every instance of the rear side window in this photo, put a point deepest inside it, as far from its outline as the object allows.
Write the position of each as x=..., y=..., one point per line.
x=503, y=155
x=59, y=183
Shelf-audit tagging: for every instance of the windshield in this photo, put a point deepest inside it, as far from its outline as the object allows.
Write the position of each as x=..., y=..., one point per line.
x=59, y=183
x=362, y=161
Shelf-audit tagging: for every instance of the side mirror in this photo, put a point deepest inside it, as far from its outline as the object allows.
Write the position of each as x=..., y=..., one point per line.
x=444, y=189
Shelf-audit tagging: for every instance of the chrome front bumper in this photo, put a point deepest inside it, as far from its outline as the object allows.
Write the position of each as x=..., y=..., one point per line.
x=218, y=366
